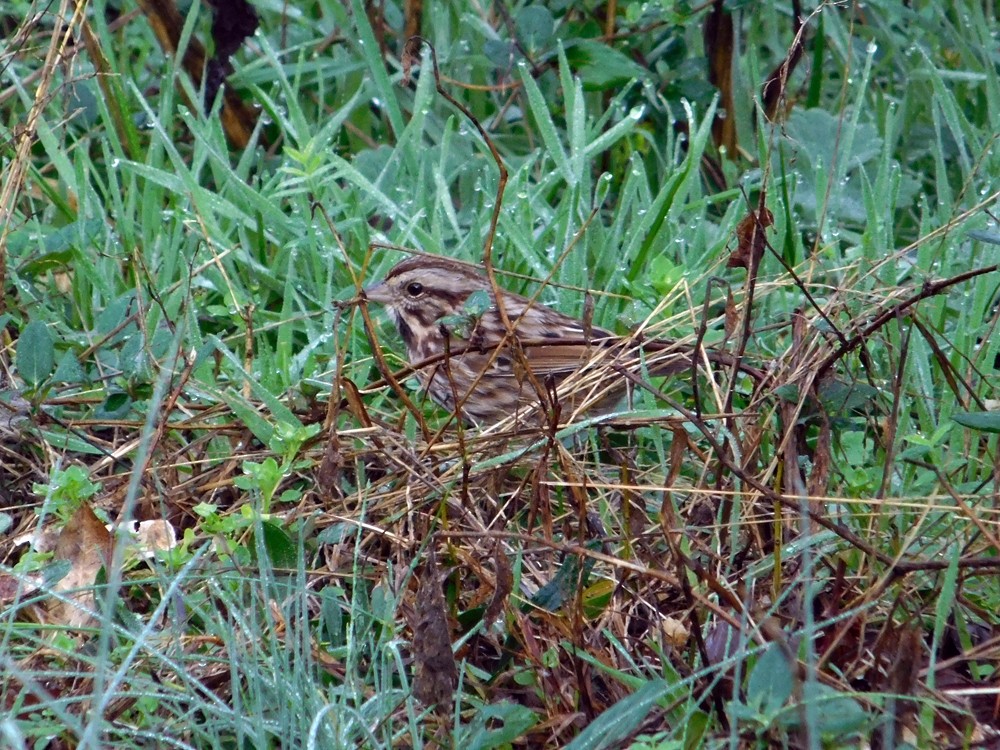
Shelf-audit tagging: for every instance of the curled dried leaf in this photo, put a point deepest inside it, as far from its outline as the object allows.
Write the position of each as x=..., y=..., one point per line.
x=85, y=544
x=750, y=239
x=436, y=674
x=504, y=585
x=411, y=56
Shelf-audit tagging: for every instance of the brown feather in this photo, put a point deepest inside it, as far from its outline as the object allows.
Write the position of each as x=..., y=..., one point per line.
x=546, y=348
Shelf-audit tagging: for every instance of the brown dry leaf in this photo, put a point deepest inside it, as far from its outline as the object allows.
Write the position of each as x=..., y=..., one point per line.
x=732, y=315
x=329, y=472
x=233, y=21
x=86, y=544
x=750, y=239
x=413, y=11
x=355, y=404
x=903, y=677
x=149, y=537
x=436, y=674
x=504, y=585
x=717, y=33
x=105, y=75
x=13, y=588
x=41, y=539
x=774, y=90
x=678, y=450
x=167, y=23
x=674, y=632
x=819, y=478
x=410, y=56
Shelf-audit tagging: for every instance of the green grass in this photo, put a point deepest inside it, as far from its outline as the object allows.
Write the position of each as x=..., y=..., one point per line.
x=740, y=570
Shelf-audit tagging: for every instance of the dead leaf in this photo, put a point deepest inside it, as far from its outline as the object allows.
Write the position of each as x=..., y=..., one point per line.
x=717, y=33
x=674, y=632
x=410, y=56
x=233, y=21
x=435, y=673
x=413, y=11
x=504, y=585
x=167, y=24
x=819, y=477
x=329, y=473
x=14, y=587
x=732, y=315
x=751, y=239
x=354, y=403
x=774, y=90
x=149, y=537
x=86, y=545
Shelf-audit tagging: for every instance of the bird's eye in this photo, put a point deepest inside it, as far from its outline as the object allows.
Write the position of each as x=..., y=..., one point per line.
x=414, y=288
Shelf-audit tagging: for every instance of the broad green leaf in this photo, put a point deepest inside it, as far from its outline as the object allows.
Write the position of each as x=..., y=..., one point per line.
x=36, y=354
x=984, y=421
x=534, y=25
x=770, y=682
x=602, y=67
x=278, y=545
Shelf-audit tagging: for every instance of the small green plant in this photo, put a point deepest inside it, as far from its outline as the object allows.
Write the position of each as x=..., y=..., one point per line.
x=65, y=491
x=263, y=478
x=833, y=716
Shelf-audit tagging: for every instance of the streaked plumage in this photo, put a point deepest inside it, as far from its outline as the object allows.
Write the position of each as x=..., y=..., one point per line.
x=580, y=369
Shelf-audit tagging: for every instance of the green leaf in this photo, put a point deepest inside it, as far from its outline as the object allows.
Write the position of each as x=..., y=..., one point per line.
x=984, y=421
x=571, y=576
x=839, y=397
x=115, y=406
x=665, y=274
x=788, y=392
x=278, y=545
x=694, y=732
x=66, y=490
x=837, y=714
x=477, y=303
x=744, y=713
x=35, y=353
x=602, y=67
x=500, y=52
x=770, y=682
x=506, y=721
x=618, y=722
x=538, y=105
x=990, y=238
x=55, y=571
x=112, y=317
x=47, y=262
x=68, y=370
x=332, y=607
x=534, y=25
x=57, y=246
x=264, y=476
x=819, y=134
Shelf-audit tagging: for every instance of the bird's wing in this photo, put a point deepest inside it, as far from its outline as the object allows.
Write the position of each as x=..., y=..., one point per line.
x=542, y=356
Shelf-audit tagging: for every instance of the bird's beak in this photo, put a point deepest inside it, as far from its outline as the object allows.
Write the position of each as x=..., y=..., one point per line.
x=377, y=293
